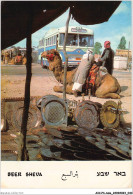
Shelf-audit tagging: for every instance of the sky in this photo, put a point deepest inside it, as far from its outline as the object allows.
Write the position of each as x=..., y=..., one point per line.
x=118, y=25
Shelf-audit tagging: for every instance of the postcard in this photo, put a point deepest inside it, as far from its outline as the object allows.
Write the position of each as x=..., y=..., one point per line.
x=66, y=111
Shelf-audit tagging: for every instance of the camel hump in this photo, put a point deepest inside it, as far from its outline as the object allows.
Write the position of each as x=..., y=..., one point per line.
x=117, y=83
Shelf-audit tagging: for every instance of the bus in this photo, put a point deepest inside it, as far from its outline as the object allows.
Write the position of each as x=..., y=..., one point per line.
x=78, y=41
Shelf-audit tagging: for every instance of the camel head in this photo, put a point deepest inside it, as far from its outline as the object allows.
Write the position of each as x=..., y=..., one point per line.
x=53, y=58
x=44, y=54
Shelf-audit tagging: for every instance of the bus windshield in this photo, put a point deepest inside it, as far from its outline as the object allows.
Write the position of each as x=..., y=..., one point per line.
x=86, y=40
x=72, y=40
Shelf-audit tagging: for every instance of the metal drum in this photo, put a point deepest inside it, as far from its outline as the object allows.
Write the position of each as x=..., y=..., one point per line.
x=54, y=111
x=87, y=114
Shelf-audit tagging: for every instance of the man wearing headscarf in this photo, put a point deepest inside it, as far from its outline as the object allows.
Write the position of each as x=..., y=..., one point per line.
x=107, y=57
x=82, y=71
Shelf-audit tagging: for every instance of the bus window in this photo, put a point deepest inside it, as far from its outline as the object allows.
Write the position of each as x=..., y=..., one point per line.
x=41, y=42
x=72, y=39
x=91, y=40
x=50, y=41
x=86, y=40
x=54, y=39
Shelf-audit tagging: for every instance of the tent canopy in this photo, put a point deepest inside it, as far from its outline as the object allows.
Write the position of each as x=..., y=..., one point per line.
x=15, y=15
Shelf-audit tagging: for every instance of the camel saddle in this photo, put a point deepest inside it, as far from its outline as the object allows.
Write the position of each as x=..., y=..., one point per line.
x=91, y=78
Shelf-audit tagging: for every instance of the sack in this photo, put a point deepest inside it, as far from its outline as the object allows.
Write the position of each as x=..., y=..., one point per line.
x=77, y=87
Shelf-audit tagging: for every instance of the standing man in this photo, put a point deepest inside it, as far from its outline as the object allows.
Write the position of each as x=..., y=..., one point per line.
x=107, y=58
x=82, y=71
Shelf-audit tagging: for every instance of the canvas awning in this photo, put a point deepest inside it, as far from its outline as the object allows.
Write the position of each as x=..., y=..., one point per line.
x=15, y=14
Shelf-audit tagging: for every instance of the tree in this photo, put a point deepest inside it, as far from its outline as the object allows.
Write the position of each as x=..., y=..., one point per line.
x=122, y=44
x=97, y=48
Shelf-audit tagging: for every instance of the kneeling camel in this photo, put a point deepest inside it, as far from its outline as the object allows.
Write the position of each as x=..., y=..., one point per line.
x=106, y=86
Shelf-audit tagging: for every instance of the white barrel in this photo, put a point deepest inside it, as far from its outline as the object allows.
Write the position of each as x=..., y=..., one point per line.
x=120, y=62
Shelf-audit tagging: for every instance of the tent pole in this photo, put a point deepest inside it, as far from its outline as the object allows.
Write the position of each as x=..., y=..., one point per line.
x=128, y=56
x=66, y=56
x=22, y=152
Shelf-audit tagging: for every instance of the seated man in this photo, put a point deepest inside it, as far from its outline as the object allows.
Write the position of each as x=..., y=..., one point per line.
x=18, y=59
x=82, y=71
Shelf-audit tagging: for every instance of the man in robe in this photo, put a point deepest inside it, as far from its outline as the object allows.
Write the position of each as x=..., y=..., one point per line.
x=107, y=57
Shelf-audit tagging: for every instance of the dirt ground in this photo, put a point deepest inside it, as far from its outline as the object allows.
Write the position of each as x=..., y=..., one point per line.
x=13, y=86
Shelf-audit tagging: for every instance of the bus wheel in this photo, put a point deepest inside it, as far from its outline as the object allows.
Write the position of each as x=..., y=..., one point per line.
x=45, y=67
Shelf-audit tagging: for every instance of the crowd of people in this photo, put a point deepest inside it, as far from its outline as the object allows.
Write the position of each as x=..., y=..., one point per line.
x=8, y=57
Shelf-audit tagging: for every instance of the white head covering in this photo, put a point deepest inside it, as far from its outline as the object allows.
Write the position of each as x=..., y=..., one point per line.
x=89, y=52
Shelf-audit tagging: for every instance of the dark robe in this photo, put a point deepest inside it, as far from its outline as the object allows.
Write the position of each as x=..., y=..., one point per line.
x=107, y=59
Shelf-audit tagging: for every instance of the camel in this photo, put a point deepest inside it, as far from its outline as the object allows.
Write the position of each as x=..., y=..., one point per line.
x=106, y=86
